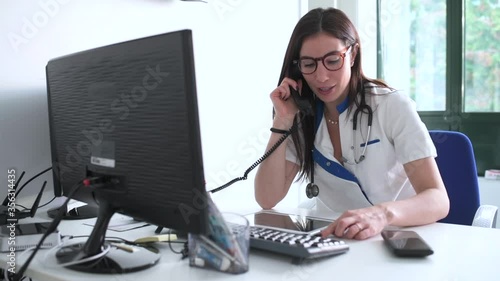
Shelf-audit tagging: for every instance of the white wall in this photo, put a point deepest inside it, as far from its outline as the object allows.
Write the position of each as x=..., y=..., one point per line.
x=239, y=47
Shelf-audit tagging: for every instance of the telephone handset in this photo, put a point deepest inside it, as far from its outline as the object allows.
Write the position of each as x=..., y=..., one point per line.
x=302, y=103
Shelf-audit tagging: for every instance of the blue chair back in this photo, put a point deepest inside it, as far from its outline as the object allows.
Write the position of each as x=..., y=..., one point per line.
x=457, y=165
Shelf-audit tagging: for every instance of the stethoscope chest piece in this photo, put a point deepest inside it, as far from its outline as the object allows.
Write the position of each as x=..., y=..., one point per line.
x=312, y=190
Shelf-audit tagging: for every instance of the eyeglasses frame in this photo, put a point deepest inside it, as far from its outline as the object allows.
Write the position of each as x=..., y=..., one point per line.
x=322, y=59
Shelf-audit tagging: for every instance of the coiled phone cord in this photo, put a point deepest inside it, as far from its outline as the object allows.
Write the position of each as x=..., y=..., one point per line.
x=254, y=165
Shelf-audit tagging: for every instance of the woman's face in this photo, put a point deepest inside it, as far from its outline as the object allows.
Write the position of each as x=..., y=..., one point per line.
x=329, y=86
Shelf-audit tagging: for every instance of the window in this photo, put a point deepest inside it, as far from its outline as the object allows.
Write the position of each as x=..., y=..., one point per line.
x=482, y=56
x=445, y=55
x=414, y=61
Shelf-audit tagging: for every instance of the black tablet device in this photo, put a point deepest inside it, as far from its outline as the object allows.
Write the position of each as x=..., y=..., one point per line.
x=288, y=222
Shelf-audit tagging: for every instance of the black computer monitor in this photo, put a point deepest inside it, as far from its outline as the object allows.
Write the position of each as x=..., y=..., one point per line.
x=126, y=117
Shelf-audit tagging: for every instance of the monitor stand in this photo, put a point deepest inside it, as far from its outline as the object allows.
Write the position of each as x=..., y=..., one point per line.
x=78, y=213
x=110, y=258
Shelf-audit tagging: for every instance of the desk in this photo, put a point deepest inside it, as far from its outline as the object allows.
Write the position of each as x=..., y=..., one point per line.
x=461, y=253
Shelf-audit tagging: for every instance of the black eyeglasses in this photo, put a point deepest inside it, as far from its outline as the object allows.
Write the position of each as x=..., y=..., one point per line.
x=332, y=61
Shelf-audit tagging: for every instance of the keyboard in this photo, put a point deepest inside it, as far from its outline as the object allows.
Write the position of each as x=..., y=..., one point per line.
x=299, y=246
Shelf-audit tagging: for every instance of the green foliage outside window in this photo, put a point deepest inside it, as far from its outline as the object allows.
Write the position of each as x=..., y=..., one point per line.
x=482, y=56
x=481, y=50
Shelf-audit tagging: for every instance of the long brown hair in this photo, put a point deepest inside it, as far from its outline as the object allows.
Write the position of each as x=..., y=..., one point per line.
x=336, y=23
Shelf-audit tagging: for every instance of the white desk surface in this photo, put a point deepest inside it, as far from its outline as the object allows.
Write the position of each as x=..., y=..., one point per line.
x=460, y=253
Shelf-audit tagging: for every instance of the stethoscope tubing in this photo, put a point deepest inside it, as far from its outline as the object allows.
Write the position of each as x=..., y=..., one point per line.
x=369, y=111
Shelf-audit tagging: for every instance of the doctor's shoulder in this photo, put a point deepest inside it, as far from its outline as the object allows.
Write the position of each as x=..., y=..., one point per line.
x=391, y=99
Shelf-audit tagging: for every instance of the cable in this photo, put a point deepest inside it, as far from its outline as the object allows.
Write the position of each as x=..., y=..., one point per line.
x=6, y=274
x=31, y=179
x=43, y=205
x=254, y=165
x=105, y=250
x=185, y=250
x=52, y=227
x=24, y=208
x=50, y=201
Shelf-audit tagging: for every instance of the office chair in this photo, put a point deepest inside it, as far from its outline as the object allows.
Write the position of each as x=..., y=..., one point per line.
x=457, y=165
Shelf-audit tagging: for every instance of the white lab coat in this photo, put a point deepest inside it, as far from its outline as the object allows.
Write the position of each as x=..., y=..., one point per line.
x=398, y=136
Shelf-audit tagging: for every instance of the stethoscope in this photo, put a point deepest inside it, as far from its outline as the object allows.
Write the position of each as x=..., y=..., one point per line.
x=362, y=157
x=312, y=190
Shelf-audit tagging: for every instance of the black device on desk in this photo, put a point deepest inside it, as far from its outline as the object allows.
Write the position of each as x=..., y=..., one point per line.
x=293, y=235
x=406, y=243
x=124, y=117
x=290, y=222
x=8, y=211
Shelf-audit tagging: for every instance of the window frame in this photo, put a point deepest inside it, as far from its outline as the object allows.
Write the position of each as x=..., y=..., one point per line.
x=482, y=128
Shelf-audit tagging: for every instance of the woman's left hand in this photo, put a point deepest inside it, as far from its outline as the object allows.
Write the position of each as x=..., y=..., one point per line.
x=358, y=224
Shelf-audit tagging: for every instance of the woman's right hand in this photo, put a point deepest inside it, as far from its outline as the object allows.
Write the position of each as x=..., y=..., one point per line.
x=284, y=105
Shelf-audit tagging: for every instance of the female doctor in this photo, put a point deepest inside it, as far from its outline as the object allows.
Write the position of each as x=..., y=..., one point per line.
x=362, y=142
